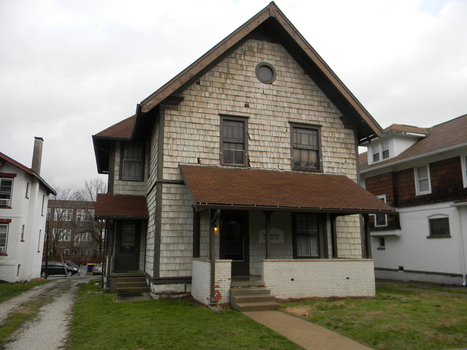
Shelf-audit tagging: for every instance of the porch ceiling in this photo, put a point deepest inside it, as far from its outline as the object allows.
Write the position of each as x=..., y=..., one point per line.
x=122, y=207
x=213, y=187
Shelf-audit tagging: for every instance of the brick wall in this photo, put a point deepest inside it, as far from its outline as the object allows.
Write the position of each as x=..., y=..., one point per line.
x=201, y=285
x=320, y=278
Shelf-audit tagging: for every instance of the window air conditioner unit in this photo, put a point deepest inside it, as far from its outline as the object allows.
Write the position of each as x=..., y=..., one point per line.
x=2, y=250
x=4, y=202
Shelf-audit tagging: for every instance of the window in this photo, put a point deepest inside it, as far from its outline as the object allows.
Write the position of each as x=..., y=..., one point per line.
x=306, y=236
x=27, y=191
x=422, y=180
x=306, y=153
x=39, y=242
x=22, y=233
x=3, y=238
x=381, y=220
x=381, y=243
x=62, y=214
x=439, y=227
x=63, y=235
x=464, y=169
x=132, y=162
x=380, y=151
x=6, y=187
x=265, y=72
x=233, y=147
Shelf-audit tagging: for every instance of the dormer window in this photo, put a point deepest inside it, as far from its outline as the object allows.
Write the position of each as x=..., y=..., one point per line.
x=380, y=151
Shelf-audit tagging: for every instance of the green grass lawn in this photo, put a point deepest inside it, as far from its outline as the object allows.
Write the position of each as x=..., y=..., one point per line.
x=395, y=319
x=100, y=323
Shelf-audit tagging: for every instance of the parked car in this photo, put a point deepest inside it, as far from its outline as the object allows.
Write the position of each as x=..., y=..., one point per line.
x=58, y=268
x=97, y=269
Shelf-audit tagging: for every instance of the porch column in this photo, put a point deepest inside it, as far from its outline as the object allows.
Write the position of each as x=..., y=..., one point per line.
x=366, y=235
x=196, y=233
x=213, y=216
x=334, y=236
x=267, y=215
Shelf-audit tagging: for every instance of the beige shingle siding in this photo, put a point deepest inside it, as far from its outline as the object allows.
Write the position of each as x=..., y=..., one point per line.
x=192, y=132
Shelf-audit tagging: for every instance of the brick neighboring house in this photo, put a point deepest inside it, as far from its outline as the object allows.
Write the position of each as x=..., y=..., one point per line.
x=23, y=210
x=423, y=173
x=72, y=232
x=243, y=166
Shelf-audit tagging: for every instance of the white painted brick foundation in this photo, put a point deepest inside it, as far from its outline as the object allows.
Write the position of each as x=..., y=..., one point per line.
x=201, y=284
x=320, y=278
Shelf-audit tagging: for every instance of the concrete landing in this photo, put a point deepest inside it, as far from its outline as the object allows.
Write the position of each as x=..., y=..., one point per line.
x=306, y=334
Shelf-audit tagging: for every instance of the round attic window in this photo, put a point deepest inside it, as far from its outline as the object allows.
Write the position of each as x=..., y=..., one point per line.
x=265, y=73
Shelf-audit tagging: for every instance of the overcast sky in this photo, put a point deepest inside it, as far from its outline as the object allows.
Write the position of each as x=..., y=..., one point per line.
x=71, y=68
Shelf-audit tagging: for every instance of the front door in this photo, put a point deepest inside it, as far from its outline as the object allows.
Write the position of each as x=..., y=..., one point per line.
x=127, y=245
x=234, y=240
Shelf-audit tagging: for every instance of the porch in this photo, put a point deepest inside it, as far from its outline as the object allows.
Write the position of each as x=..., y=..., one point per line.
x=286, y=279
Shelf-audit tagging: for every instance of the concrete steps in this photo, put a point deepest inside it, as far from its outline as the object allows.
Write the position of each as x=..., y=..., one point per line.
x=251, y=296
x=131, y=285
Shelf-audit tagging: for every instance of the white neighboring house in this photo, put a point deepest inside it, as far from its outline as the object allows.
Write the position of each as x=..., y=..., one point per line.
x=23, y=211
x=422, y=172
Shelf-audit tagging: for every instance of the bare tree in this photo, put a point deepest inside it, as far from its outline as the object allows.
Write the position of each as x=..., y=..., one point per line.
x=62, y=223
x=88, y=195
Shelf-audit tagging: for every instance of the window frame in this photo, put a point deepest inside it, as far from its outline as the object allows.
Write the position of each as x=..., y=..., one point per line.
x=6, y=202
x=124, y=176
x=464, y=169
x=437, y=218
x=381, y=151
x=418, y=191
x=317, y=128
x=223, y=138
x=375, y=216
x=3, y=248
x=318, y=236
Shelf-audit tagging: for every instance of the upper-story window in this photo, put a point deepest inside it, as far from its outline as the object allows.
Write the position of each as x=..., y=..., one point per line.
x=381, y=220
x=422, y=180
x=233, y=141
x=306, y=147
x=380, y=151
x=464, y=169
x=6, y=190
x=63, y=214
x=132, y=162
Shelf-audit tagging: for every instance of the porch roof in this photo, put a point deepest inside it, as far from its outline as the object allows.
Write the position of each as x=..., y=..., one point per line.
x=109, y=206
x=213, y=187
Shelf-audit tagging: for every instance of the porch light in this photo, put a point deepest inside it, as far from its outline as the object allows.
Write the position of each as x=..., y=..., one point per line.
x=216, y=229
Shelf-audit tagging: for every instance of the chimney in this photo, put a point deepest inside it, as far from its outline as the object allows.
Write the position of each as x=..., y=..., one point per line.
x=37, y=155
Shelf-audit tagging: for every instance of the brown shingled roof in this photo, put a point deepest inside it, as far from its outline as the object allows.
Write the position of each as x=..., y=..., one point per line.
x=405, y=129
x=263, y=189
x=441, y=136
x=110, y=206
x=121, y=130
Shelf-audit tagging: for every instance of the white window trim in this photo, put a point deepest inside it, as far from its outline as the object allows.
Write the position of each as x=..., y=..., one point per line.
x=464, y=169
x=383, y=198
x=417, y=180
x=438, y=216
x=378, y=149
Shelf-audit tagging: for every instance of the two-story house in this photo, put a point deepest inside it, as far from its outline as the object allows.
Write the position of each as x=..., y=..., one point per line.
x=243, y=166
x=72, y=232
x=23, y=210
x=423, y=173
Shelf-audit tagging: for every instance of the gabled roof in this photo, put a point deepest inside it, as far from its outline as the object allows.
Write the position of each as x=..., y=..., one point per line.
x=447, y=135
x=213, y=187
x=4, y=157
x=269, y=22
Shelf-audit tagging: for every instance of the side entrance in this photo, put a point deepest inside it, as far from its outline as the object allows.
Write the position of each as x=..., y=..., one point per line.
x=234, y=240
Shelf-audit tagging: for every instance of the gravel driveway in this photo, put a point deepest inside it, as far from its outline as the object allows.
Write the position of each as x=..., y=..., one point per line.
x=49, y=330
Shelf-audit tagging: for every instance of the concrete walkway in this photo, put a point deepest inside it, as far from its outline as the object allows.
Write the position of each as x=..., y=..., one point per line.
x=306, y=334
